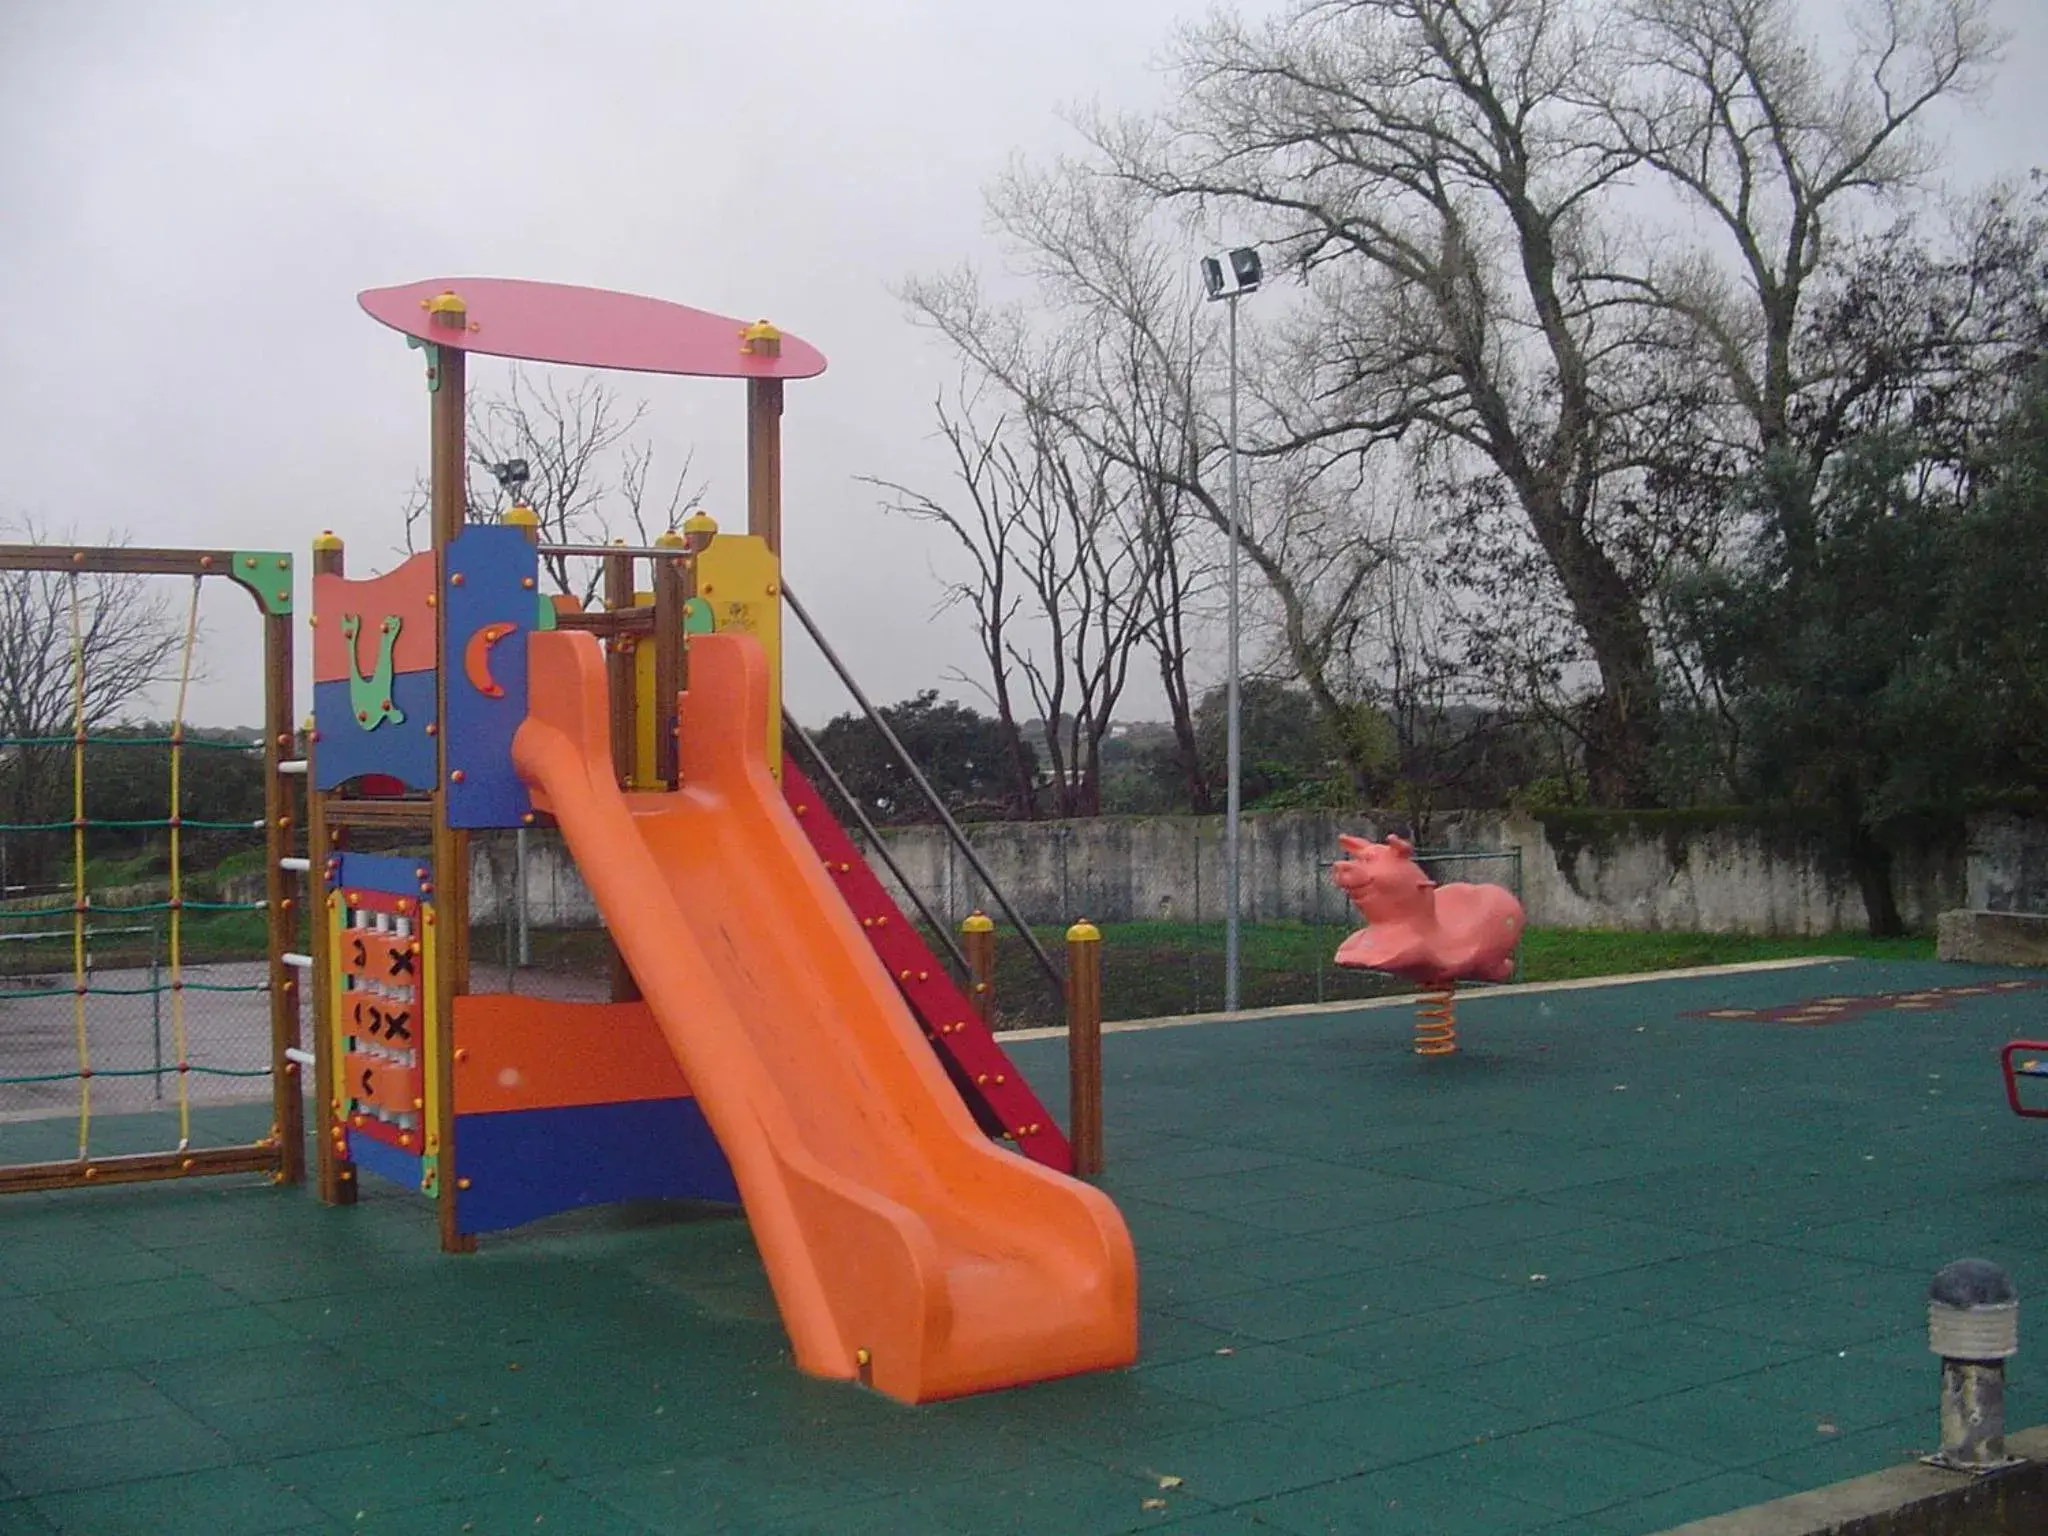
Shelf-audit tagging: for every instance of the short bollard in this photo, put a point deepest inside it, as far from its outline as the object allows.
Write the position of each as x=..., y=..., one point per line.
x=1973, y=1323
x=978, y=943
x=1084, y=1046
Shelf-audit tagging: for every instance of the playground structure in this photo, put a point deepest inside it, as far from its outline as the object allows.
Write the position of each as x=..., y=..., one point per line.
x=267, y=577
x=1436, y=936
x=779, y=1033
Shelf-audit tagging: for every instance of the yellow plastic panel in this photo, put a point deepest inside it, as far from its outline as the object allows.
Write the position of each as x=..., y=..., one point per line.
x=740, y=578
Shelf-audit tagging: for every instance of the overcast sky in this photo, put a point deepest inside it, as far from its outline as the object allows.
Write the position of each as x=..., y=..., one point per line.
x=192, y=193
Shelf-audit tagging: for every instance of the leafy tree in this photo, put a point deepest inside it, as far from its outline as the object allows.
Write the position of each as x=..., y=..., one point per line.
x=1849, y=706
x=966, y=756
x=1289, y=752
x=1998, y=625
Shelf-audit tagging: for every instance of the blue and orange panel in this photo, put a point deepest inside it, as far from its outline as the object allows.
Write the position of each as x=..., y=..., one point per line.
x=373, y=677
x=560, y=1105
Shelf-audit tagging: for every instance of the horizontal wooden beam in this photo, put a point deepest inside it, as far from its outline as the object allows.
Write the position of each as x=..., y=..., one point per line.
x=378, y=813
x=118, y=559
x=259, y=1157
x=620, y=621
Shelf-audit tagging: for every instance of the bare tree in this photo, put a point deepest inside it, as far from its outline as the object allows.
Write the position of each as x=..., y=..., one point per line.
x=984, y=521
x=1434, y=169
x=1731, y=103
x=77, y=649
x=1058, y=592
x=588, y=479
x=1129, y=373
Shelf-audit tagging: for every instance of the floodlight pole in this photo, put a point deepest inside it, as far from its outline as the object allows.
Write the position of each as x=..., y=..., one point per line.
x=1232, y=777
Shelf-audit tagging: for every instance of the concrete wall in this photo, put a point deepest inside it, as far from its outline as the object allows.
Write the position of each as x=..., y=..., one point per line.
x=1727, y=879
x=1730, y=879
x=2008, y=863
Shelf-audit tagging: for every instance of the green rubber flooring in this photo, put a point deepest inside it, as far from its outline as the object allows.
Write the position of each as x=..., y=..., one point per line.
x=1611, y=1269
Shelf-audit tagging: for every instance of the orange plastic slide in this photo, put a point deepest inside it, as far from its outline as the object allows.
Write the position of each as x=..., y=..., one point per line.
x=903, y=1246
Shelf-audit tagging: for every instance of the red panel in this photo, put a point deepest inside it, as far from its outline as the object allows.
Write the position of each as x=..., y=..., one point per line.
x=587, y=328
x=390, y=1135
x=956, y=1031
x=535, y=1053
x=404, y=592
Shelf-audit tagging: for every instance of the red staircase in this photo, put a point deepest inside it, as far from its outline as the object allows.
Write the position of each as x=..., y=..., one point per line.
x=992, y=1086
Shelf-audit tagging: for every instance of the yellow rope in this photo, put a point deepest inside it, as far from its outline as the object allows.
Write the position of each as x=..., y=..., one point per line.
x=176, y=893
x=78, y=872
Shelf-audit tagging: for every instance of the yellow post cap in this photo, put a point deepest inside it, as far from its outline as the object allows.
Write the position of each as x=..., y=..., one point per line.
x=700, y=521
x=1084, y=932
x=327, y=540
x=670, y=540
x=446, y=308
x=520, y=515
x=977, y=922
x=761, y=339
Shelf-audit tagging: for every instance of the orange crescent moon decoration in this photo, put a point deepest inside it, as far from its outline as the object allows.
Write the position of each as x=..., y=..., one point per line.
x=476, y=658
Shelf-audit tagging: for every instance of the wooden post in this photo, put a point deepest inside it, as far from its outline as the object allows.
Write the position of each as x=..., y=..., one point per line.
x=288, y=1089
x=620, y=693
x=1084, y=1046
x=448, y=493
x=334, y=1174
x=978, y=943
x=764, y=461
x=668, y=654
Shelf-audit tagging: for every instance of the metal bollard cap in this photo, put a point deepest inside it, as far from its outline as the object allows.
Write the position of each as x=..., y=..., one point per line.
x=1973, y=1312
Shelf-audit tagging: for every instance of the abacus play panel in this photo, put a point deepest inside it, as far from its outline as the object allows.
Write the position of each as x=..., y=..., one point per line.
x=761, y=1048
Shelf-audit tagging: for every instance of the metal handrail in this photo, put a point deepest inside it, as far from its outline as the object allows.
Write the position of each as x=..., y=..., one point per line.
x=931, y=795
x=875, y=840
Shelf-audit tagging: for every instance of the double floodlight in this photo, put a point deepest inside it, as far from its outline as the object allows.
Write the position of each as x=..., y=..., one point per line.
x=1232, y=273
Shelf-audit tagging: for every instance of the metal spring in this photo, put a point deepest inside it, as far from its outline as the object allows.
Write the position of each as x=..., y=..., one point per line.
x=1436, y=1022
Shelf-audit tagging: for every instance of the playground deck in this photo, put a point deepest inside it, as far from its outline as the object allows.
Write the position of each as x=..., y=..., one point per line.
x=1611, y=1269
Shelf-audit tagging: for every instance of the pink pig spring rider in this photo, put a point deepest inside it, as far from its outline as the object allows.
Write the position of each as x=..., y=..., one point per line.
x=1435, y=935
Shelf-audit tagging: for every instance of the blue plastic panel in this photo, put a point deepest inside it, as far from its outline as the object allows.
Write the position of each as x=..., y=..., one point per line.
x=387, y=1162
x=492, y=579
x=524, y=1164
x=384, y=873
x=403, y=750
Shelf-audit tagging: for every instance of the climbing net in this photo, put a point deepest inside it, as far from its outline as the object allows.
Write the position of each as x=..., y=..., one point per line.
x=46, y=925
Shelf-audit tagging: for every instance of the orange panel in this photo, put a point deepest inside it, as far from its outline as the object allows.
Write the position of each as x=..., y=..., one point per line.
x=380, y=957
x=392, y=1021
x=380, y=1083
x=534, y=1053
x=406, y=592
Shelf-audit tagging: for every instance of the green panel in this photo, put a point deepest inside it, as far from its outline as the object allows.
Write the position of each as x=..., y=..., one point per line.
x=268, y=574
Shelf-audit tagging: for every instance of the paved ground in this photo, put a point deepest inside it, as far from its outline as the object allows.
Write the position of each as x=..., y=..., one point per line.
x=1612, y=1269
x=131, y=1029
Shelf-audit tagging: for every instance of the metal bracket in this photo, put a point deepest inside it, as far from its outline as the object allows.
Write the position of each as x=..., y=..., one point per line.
x=267, y=573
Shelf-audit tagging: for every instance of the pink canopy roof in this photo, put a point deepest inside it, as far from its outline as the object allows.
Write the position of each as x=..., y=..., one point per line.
x=587, y=328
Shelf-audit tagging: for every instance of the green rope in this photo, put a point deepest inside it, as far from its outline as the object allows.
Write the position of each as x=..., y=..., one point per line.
x=117, y=908
x=72, y=1077
x=189, y=906
x=142, y=824
x=189, y=743
x=8, y=995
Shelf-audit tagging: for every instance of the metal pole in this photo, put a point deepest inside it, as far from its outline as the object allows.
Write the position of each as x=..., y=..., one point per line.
x=519, y=895
x=1232, y=785
x=924, y=787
